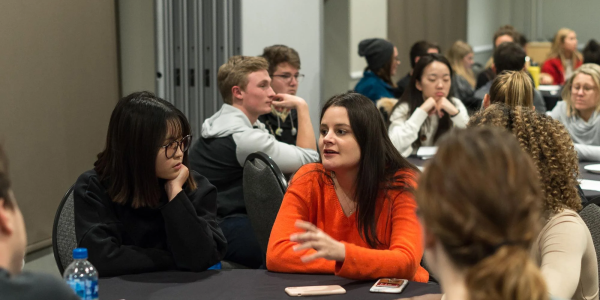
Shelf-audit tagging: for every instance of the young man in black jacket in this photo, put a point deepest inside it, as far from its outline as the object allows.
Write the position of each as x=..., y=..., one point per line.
x=509, y=57
x=284, y=69
x=13, y=241
x=417, y=50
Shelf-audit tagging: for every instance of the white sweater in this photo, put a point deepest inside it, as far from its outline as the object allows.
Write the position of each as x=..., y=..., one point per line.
x=404, y=131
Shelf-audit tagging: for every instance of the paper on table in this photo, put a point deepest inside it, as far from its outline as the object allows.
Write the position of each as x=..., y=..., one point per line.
x=426, y=152
x=590, y=185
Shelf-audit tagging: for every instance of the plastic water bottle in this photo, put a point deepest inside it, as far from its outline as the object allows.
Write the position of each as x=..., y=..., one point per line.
x=81, y=276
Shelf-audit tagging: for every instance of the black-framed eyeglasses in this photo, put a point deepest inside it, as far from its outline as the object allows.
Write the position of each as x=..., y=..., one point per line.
x=183, y=144
x=288, y=77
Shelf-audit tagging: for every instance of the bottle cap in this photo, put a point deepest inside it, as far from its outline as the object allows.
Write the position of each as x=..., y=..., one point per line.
x=80, y=253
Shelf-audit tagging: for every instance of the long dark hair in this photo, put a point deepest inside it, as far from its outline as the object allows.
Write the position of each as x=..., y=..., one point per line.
x=414, y=98
x=385, y=72
x=379, y=161
x=137, y=129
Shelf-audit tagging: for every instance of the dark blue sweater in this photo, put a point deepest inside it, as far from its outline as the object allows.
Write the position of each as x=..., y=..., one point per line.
x=374, y=87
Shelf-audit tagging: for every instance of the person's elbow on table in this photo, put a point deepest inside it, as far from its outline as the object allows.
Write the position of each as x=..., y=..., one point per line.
x=273, y=261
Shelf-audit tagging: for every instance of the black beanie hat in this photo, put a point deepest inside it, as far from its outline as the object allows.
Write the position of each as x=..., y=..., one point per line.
x=378, y=52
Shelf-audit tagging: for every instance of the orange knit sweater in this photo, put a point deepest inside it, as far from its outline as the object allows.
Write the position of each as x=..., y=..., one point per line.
x=308, y=199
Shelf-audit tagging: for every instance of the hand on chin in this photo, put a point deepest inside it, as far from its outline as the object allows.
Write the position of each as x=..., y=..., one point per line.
x=174, y=175
x=439, y=108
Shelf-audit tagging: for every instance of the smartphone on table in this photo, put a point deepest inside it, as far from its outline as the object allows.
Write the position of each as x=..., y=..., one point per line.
x=316, y=290
x=389, y=285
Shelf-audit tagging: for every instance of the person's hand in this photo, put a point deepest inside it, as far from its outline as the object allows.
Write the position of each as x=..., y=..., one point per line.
x=429, y=106
x=444, y=105
x=287, y=101
x=424, y=297
x=546, y=78
x=315, y=238
x=174, y=186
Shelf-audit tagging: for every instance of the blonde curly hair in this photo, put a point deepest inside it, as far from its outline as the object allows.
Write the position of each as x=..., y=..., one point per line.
x=549, y=145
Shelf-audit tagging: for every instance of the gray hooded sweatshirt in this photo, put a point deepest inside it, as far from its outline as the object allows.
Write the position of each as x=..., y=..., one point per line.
x=227, y=139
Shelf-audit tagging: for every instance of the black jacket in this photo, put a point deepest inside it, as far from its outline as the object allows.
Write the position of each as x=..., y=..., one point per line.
x=403, y=85
x=286, y=136
x=182, y=234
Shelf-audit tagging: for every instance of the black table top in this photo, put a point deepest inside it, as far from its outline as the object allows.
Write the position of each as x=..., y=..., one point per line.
x=583, y=174
x=239, y=284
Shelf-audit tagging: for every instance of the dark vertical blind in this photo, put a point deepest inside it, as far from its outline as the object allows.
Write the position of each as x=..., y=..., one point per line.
x=439, y=21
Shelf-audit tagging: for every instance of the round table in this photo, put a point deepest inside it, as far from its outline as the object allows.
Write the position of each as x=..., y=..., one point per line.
x=583, y=174
x=239, y=284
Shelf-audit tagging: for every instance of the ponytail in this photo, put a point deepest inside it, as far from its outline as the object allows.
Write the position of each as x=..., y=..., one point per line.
x=507, y=274
x=513, y=88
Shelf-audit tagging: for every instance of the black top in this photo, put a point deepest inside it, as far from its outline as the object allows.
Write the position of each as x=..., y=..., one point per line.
x=182, y=234
x=403, y=84
x=270, y=121
x=216, y=159
x=34, y=286
x=485, y=76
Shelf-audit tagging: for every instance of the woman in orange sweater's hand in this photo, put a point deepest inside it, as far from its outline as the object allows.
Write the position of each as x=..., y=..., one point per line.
x=352, y=214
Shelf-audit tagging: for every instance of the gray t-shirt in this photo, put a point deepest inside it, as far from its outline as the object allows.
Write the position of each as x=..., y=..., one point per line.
x=29, y=286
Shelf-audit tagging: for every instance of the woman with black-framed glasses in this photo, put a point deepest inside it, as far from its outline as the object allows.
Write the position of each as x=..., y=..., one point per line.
x=140, y=209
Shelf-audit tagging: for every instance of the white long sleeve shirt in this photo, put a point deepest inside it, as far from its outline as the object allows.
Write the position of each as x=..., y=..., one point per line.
x=404, y=130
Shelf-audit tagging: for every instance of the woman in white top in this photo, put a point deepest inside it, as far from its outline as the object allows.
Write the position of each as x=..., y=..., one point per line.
x=579, y=111
x=427, y=109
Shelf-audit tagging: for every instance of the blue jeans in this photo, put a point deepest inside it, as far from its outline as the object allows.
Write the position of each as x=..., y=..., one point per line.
x=242, y=246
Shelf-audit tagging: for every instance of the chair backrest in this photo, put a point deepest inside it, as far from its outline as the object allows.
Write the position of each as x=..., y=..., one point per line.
x=63, y=232
x=264, y=187
x=591, y=216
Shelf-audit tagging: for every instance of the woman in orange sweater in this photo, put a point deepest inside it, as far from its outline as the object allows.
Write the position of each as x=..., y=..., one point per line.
x=352, y=214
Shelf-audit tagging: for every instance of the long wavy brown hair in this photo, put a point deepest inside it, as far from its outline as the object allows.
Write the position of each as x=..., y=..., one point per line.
x=488, y=230
x=378, y=166
x=549, y=145
x=455, y=55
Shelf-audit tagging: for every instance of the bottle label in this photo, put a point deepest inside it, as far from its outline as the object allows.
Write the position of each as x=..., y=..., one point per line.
x=85, y=289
